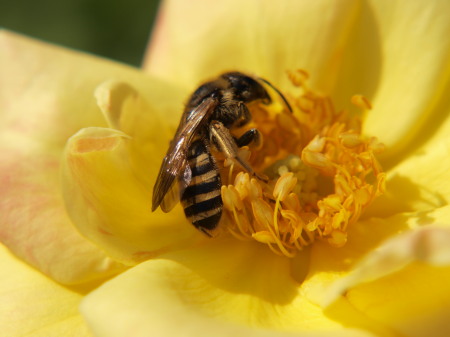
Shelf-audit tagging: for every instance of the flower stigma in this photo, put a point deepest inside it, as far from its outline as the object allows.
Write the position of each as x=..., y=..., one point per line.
x=322, y=174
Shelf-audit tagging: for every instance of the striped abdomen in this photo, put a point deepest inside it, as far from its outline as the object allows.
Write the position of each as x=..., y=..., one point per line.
x=201, y=199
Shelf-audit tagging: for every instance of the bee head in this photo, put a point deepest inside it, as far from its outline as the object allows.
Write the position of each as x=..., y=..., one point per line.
x=246, y=88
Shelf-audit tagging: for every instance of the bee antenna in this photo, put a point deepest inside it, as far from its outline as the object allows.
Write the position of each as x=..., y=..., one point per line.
x=278, y=92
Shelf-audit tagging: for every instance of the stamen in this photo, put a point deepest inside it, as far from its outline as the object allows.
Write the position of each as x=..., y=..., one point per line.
x=322, y=175
x=361, y=102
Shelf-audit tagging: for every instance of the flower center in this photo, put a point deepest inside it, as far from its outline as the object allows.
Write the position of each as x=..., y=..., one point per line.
x=322, y=174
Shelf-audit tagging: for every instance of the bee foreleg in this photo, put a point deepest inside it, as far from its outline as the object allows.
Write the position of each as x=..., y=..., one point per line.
x=226, y=144
x=252, y=136
x=244, y=115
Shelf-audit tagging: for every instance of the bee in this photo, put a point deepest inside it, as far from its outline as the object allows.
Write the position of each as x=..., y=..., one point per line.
x=189, y=170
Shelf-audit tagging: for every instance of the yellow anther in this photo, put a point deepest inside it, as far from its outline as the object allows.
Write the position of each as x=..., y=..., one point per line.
x=363, y=196
x=332, y=202
x=227, y=198
x=350, y=140
x=242, y=182
x=264, y=237
x=340, y=219
x=361, y=102
x=263, y=214
x=381, y=186
x=316, y=145
x=284, y=186
x=255, y=189
x=338, y=239
x=298, y=77
x=318, y=160
x=305, y=104
x=292, y=202
x=235, y=197
x=376, y=146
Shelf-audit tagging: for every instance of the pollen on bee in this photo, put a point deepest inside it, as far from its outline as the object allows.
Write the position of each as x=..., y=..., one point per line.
x=322, y=174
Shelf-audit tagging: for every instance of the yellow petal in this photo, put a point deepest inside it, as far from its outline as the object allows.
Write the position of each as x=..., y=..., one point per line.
x=388, y=296
x=111, y=205
x=412, y=53
x=44, y=99
x=33, y=305
x=396, y=55
x=404, y=283
x=34, y=223
x=144, y=114
x=426, y=244
x=150, y=119
x=419, y=183
x=421, y=305
x=59, y=100
x=252, y=36
x=223, y=288
x=329, y=264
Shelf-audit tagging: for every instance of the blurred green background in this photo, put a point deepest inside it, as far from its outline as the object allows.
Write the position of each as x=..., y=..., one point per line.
x=118, y=30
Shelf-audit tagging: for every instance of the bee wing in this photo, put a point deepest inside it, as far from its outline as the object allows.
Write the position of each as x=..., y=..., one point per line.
x=175, y=163
x=172, y=196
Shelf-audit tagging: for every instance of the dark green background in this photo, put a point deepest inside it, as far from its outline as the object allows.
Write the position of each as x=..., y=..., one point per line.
x=115, y=29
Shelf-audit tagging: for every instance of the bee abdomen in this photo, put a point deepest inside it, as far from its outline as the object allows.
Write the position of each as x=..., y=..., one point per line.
x=202, y=199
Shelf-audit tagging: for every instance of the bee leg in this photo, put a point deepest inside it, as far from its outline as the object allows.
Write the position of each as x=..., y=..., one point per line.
x=244, y=115
x=252, y=136
x=225, y=143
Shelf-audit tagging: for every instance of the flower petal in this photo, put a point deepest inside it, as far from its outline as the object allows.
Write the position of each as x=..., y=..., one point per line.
x=421, y=305
x=414, y=72
x=395, y=55
x=111, y=206
x=224, y=287
x=150, y=120
x=404, y=283
x=388, y=257
x=427, y=244
x=419, y=183
x=33, y=305
x=35, y=226
x=43, y=100
x=329, y=264
x=252, y=36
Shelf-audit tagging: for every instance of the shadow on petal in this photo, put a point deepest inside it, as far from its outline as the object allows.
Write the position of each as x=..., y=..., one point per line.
x=403, y=285
x=110, y=206
x=404, y=195
x=238, y=287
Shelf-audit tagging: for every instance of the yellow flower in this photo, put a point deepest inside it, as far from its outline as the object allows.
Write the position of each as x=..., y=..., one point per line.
x=390, y=277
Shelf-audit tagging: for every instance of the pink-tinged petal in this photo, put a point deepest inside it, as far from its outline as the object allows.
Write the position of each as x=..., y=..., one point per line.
x=35, y=306
x=46, y=94
x=223, y=288
x=111, y=205
x=35, y=226
x=259, y=37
